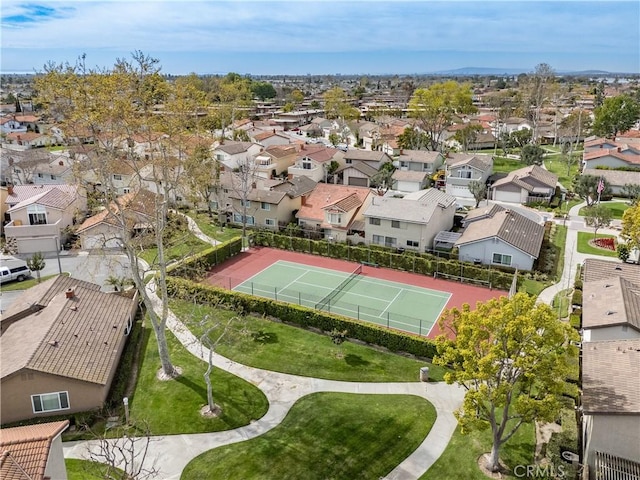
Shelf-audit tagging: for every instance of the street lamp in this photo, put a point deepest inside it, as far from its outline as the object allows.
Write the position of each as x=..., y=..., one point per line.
x=125, y=401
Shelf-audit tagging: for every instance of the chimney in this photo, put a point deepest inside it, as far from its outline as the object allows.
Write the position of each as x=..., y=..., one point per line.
x=61, y=163
x=10, y=189
x=253, y=185
x=69, y=293
x=304, y=200
x=619, y=149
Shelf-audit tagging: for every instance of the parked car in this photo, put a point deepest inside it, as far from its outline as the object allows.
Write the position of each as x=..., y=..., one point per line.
x=19, y=273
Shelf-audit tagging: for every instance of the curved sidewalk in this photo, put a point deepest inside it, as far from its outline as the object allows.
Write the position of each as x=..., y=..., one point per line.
x=171, y=453
x=573, y=258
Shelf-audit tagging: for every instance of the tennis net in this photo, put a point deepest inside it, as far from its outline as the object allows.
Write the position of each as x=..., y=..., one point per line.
x=321, y=305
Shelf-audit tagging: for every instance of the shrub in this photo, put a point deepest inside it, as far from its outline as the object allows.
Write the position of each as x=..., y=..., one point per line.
x=576, y=299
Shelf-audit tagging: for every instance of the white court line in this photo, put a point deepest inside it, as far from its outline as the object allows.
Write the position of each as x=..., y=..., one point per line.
x=391, y=302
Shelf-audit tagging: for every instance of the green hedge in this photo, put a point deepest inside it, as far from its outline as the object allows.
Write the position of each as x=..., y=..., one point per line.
x=577, y=297
x=565, y=439
x=423, y=263
x=197, y=266
x=302, y=316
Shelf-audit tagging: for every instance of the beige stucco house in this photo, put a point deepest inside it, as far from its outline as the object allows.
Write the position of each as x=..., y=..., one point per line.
x=60, y=344
x=39, y=215
x=525, y=185
x=464, y=168
x=411, y=222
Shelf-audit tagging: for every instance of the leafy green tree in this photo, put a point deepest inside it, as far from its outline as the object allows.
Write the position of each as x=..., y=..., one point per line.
x=36, y=263
x=532, y=154
x=296, y=97
x=263, y=90
x=478, y=190
x=623, y=251
x=598, y=216
x=435, y=107
x=632, y=192
x=412, y=139
x=336, y=105
x=617, y=114
x=511, y=355
x=334, y=138
x=631, y=226
x=586, y=187
x=467, y=135
x=520, y=138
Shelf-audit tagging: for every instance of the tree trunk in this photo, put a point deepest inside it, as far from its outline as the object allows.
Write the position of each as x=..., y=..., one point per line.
x=163, y=351
x=207, y=380
x=494, y=458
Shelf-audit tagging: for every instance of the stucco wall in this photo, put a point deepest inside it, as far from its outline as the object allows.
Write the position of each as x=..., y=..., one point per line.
x=615, y=434
x=484, y=250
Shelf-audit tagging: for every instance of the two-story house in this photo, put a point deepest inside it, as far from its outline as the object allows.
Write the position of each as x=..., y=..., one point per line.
x=233, y=154
x=270, y=203
x=314, y=161
x=419, y=161
x=411, y=222
x=374, y=159
x=40, y=214
x=610, y=367
x=334, y=211
x=462, y=169
x=275, y=160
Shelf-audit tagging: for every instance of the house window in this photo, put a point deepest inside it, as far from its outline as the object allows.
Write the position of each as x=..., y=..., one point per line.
x=245, y=203
x=306, y=165
x=378, y=239
x=117, y=177
x=349, y=161
x=125, y=191
x=213, y=204
x=335, y=218
x=219, y=156
x=395, y=224
x=53, y=177
x=412, y=243
x=404, y=164
x=390, y=242
x=178, y=198
x=374, y=221
x=50, y=402
x=501, y=259
x=40, y=175
x=37, y=215
x=464, y=173
x=237, y=218
x=265, y=206
x=270, y=222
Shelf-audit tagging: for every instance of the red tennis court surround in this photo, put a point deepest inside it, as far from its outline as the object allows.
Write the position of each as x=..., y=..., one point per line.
x=245, y=265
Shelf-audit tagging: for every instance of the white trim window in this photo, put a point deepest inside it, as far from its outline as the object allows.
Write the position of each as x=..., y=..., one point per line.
x=501, y=259
x=37, y=214
x=237, y=218
x=265, y=206
x=50, y=402
x=335, y=218
x=374, y=221
x=117, y=177
x=270, y=222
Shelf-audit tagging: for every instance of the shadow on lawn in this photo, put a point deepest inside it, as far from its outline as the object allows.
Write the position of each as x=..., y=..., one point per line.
x=264, y=337
x=355, y=360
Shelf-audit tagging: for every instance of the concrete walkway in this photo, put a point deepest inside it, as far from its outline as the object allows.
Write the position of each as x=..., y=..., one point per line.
x=171, y=453
x=573, y=258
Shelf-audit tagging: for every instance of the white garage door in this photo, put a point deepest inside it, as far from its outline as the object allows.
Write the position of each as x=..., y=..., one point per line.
x=94, y=242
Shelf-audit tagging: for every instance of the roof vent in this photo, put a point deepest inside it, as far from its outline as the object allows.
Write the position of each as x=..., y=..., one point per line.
x=608, y=285
x=70, y=293
x=53, y=343
x=610, y=312
x=618, y=267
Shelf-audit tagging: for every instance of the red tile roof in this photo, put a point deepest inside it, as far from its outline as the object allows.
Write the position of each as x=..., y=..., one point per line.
x=24, y=451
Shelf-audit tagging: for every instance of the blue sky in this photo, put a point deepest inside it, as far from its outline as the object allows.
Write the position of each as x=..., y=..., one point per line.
x=324, y=36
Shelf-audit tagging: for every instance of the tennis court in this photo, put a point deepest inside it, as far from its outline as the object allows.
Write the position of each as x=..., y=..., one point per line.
x=392, y=304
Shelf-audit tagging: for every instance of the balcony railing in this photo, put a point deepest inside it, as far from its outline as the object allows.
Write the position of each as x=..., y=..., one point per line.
x=12, y=230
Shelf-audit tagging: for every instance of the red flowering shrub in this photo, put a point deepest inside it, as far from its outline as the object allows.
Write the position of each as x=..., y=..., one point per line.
x=606, y=243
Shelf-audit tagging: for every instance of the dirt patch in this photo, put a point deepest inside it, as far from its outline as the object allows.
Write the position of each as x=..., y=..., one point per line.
x=208, y=413
x=483, y=465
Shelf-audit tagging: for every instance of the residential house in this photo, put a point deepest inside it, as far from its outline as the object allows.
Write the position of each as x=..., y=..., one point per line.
x=370, y=135
x=58, y=171
x=9, y=124
x=374, y=159
x=610, y=366
x=40, y=214
x=297, y=118
x=271, y=138
x=270, y=203
x=411, y=222
x=525, y=185
x=61, y=343
x=335, y=211
x=494, y=235
x=420, y=161
x=18, y=166
x=409, y=181
x=31, y=139
x=618, y=156
x=233, y=154
x=358, y=174
x=510, y=125
x=616, y=179
x=33, y=452
x=314, y=161
x=134, y=212
x=464, y=168
x=275, y=160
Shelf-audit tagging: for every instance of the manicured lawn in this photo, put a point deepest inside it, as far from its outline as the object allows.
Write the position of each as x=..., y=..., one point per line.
x=617, y=209
x=12, y=286
x=326, y=435
x=561, y=303
x=506, y=165
x=205, y=223
x=584, y=247
x=556, y=163
x=460, y=459
x=263, y=343
x=560, y=243
x=86, y=470
x=173, y=406
x=179, y=247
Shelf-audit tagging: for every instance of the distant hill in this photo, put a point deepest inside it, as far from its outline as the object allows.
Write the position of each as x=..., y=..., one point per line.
x=482, y=71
